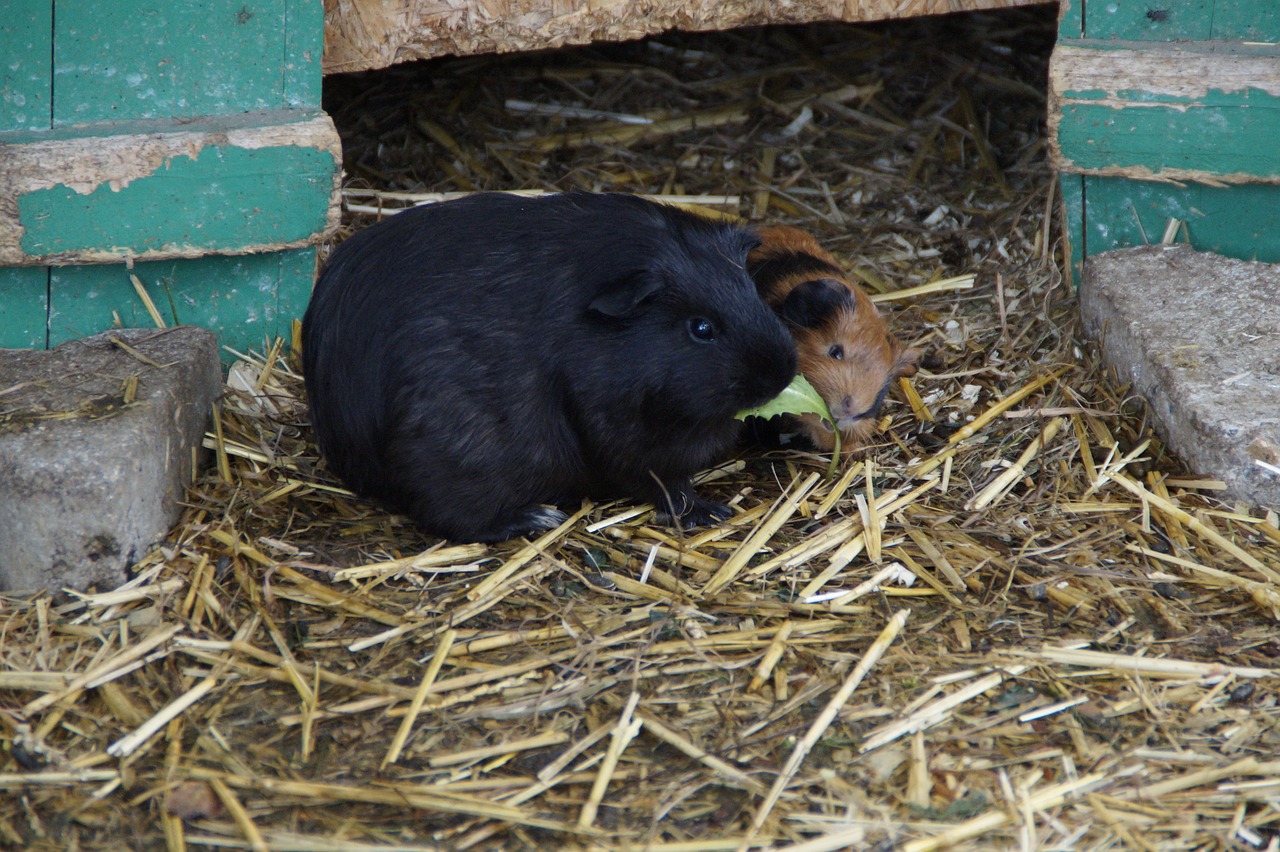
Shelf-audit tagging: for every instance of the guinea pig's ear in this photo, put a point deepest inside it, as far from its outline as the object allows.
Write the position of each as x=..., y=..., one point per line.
x=622, y=296
x=907, y=362
x=814, y=302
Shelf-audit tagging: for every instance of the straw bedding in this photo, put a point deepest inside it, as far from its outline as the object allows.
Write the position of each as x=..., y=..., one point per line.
x=1014, y=621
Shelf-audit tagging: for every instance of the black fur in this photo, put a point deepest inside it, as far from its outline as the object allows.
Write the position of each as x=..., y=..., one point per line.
x=814, y=302
x=467, y=362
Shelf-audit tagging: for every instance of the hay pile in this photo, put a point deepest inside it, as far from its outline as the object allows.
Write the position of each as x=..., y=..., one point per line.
x=1013, y=622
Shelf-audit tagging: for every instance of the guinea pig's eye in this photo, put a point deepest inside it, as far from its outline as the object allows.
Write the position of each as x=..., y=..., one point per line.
x=702, y=330
x=837, y=352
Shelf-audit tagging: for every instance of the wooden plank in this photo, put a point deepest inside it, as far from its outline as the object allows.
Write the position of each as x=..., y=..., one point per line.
x=303, y=47
x=1237, y=221
x=168, y=58
x=1143, y=93
x=1197, y=111
x=1072, y=187
x=293, y=292
x=26, y=43
x=1246, y=20
x=1071, y=19
x=225, y=185
x=364, y=34
x=246, y=300
x=24, y=307
x=178, y=128
x=1170, y=20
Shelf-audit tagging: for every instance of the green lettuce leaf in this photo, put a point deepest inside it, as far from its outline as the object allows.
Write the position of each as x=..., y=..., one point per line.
x=799, y=397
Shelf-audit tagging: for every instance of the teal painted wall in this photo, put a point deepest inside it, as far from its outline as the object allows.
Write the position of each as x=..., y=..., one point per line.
x=115, y=61
x=1238, y=221
x=1223, y=129
x=24, y=307
x=227, y=197
x=83, y=69
x=248, y=299
x=1190, y=20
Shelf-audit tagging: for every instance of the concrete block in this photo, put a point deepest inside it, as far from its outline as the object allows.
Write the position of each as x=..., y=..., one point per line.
x=1197, y=335
x=96, y=446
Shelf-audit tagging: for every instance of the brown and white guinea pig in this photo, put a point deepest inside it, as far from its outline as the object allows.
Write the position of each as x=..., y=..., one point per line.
x=845, y=349
x=469, y=362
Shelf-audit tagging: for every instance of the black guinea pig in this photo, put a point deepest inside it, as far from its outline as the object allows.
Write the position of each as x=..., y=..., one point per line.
x=469, y=361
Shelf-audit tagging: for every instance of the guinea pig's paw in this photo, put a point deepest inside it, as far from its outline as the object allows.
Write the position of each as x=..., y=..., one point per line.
x=701, y=513
x=527, y=521
x=707, y=513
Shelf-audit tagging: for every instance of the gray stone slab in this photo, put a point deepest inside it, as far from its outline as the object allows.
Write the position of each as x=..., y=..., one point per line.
x=95, y=450
x=1197, y=335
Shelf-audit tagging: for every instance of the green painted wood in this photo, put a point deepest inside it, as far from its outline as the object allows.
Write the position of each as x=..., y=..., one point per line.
x=1237, y=221
x=1196, y=99
x=1205, y=108
x=1104, y=213
x=293, y=292
x=1072, y=187
x=226, y=198
x=1246, y=20
x=1171, y=20
x=24, y=307
x=1216, y=132
x=26, y=51
x=246, y=300
x=1071, y=18
x=26, y=45
x=174, y=58
x=304, y=44
x=75, y=69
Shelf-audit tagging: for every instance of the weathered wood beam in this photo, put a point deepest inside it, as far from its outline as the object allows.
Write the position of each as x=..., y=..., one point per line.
x=1204, y=112
x=160, y=190
x=364, y=34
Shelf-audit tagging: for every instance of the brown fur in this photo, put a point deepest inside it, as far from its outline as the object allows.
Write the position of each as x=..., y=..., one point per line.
x=853, y=386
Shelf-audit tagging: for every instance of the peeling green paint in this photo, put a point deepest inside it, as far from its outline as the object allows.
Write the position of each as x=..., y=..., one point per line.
x=77, y=69
x=1212, y=98
x=1196, y=100
x=226, y=198
x=1072, y=187
x=1217, y=140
